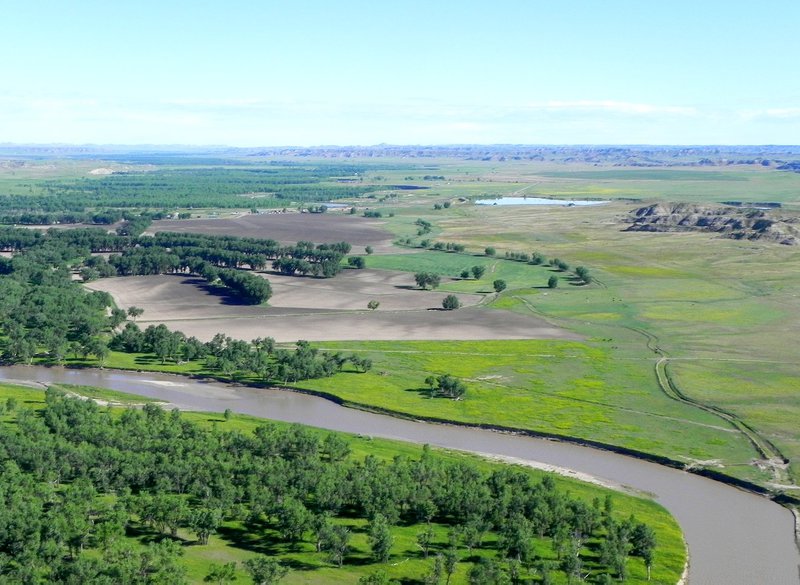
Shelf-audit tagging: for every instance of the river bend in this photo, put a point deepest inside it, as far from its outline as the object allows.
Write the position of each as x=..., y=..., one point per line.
x=734, y=537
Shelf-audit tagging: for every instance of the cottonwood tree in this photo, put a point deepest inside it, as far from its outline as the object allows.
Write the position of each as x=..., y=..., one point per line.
x=426, y=280
x=380, y=538
x=356, y=262
x=516, y=539
x=204, y=522
x=265, y=571
x=134, y=312
x=425, y=539
x=499, y=285
x=446, y=385
x=450, y=558
x=337, y=544
x=379, y=578
x=583, y=273
x=293, y=519
x=451, y=303
x=221, y=574
x=434, y=577
x=643, y=542
x=487, y=572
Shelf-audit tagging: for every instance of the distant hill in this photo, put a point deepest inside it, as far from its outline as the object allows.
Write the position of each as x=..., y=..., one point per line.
x=771, y=156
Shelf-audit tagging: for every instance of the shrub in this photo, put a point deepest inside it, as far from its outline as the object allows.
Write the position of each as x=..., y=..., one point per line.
x=450, y=303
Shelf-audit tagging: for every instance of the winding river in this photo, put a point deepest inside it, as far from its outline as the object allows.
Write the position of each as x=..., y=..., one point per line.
x=734, y=537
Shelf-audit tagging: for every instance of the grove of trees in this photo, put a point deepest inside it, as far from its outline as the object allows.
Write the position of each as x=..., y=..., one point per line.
x=426, y=280
x=45, y=314
x=64, y=200
x=80, y=484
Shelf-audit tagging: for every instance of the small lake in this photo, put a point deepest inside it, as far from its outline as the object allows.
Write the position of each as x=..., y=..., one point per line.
x=538, y=201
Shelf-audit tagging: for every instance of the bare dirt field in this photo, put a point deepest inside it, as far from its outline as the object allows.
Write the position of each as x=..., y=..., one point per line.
x=321, y=310
x=69, y=226
x=290, y=228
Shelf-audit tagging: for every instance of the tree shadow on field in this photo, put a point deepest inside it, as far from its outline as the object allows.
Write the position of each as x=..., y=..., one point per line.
x=222, y=292
x=254, y=541
x=423, y=392
x=151, y=360
x=575, y=281
x=407, y=287
x=359, y=561
x=147, y=535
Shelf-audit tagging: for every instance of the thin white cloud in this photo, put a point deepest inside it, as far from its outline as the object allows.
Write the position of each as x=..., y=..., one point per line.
x=50, y=104
x=613, y=106
x=769, y=114
x=243, y=103
x=782, y=113
x=279, y=119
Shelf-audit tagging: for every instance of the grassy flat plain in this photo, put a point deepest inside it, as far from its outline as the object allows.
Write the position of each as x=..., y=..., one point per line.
x=577, y=181
x=406, y=562
x=565, y=388
x=724, y=313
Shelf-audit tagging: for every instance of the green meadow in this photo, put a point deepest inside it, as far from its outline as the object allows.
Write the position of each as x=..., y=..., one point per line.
x=723, y=312
x=573, y=389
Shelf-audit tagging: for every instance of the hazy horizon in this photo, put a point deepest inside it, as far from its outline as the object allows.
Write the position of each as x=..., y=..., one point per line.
x=566, y=145
x=513, y=72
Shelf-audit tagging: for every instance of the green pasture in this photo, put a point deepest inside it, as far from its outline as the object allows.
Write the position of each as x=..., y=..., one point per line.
x=558, y=387
x=695, y=185
x=450, y=265
x=719, y=306
x=234, y=544
x=475, y=179
x=649, y=175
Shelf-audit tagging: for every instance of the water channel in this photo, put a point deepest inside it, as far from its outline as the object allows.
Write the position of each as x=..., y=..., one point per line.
x=734, y=537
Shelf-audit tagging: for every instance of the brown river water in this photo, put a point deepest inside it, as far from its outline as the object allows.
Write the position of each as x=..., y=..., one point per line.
x=734, y=537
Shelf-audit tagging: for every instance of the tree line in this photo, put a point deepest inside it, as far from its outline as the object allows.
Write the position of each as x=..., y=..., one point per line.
x=43, y=312
x=78, y=482
x=175, y=188
x=223, y=251
x=236, y=359
x=218, y=259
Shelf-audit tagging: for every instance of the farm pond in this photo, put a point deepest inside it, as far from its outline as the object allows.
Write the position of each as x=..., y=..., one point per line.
x=538, y=201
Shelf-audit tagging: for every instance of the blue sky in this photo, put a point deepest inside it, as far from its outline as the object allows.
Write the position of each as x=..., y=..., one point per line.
x=403, y=72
